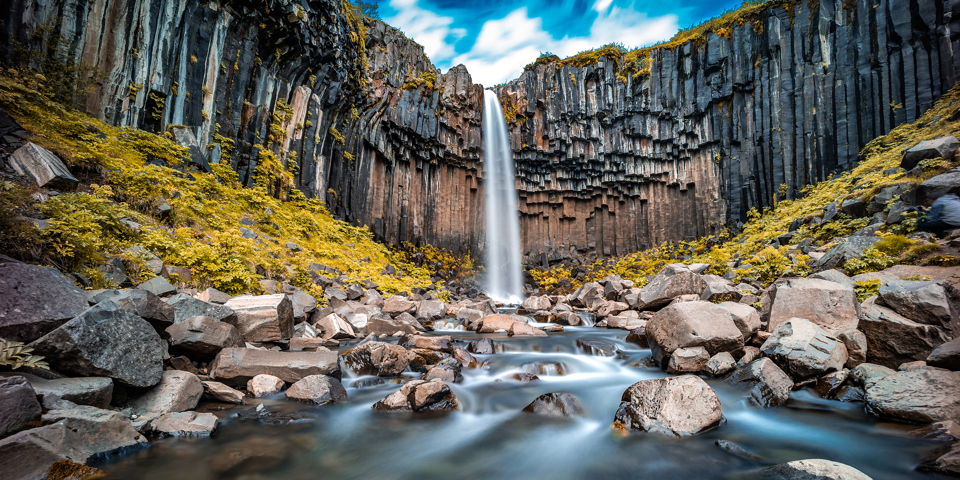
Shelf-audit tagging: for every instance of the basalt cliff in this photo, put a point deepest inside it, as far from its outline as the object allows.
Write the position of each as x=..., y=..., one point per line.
x=608, y=162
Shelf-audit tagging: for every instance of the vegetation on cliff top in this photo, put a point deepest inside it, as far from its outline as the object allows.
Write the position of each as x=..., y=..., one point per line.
x=229, y=236
x=762, y=259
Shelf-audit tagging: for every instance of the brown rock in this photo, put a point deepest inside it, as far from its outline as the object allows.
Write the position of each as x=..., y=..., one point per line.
x=769, y=385
x=946, y=355
x=317, y=390
x=919, y=396
x=692, y=324
x=263, y=318
x=440, y=343
x=235, y=366
x=219, y=392
x=688, y=360
x=202, y=338
x=557, y=404
x=378, y=358
x=893, y=339
x=396, y=304
x=420, y=396
x=673, y=281
x=264, y=385
x=679, y=406
x=830, y=305
x=336, y=328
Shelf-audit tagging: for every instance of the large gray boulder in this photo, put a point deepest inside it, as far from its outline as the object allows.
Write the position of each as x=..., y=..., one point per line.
x=852, y=248
x=804, y=350
x=105, y=341
x=18, y=404
x=943, y=147
x=921, y=396
x=335, y=327
x=147, y=306
x=420, y=396
x=769, y=385
x=719, y=289
x=679, y=406
x=929, y=303
x=745, y=317
x=91, y=391
x=202, y=338
x=946, y=356
x=178, y=391
x=379, y=358
x=263, y=318
x=430, y=310
x=317, y=390
x=185, y=307
x=588, y=296
x=893, y=339
x=813, y=469
x=191, y=424
x=43, y=167
x=692, y=324
x=830, y=305
x=235, y=366
x=673, y=281
x=535, y=304
x=35, y=300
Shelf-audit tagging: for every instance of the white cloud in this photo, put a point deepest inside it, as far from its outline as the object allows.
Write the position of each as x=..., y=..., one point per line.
x=505, y=45
x=432, y=31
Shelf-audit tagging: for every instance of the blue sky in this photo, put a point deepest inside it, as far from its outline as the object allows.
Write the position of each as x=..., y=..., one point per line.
x=495, y=39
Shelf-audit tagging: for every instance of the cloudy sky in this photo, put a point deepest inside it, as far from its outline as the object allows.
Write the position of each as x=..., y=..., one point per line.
x=496, y=38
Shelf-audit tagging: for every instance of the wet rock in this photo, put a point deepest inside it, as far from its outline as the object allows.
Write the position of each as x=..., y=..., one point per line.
x=943, y=147
x=688, y=360
x=534, y=304
x=925, y=395
x=317, y=390
x=464, y=358
x=856, y=343
x=264, y=385
x=396, y=304
x=893, y=339
x=568, y=318
x=212, y=295
x=447, y=370
x=814, y=469
x=804, y=350
x=556, y=404
x=946, y=462
x=484, y=346
x=35, y=300
x=737, y=450
x=720, y=364
x=105, y=341
x=190, y=424
x=692, y=324
x=18, y=404
x=749, y=354
x=177, y=392
x=147, y=306
x=378, y=358
x=185, y=307
x=551, y=327
x=91, y=391
x=849, y=394
x=946, y=356
x=42, y=167
x=440, y=343
x=638, y=336
x=545, y=368
x=769, y=385
x=202, y=338
x=235, y=366
x=829, y=305
x=679, y=406
x=929, y=303
x=263, y=318
x=420, y=396
x=868, y=373
x=219, y=392
x=673, y=281
x=828, y=384
x=524, y=377
x=598, y=346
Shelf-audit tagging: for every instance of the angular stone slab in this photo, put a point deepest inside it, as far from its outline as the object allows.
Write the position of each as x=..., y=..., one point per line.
x=35, y=300
x=804, y=350
x=235, y=366
x=263, y=318
x=43, y=167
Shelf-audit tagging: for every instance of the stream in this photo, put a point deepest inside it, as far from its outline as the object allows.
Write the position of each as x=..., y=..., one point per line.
x=491, y=438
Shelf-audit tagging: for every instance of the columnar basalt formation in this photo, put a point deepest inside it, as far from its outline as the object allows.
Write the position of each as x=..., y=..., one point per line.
x=607, y=162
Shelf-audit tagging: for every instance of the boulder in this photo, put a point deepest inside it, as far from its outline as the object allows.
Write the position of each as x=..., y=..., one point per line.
x=852, y=248
x=385, y=326
x=483, y=346
x=158, y=286
x=396, y=304
x=930, y=303
x=317, y=390
x=609, y=308
x=42, y=167
x=946, y=462
x=91, y=391
x=568, y=318
x=469, y=315
x=692, y=324
x=147, y=306
x=588, y=296
x=420, y=396
x=745, y=317
x=688, y=360
x=921, y=396
x=524, y=329
x=448, y=370
x=893, y=339
x=673, y=281
x=219, y=392
x=430, y=310
x=185, y=306
x=856, y=343
x=868, y=373
x=464, y=358
x=177, y=392
x=235, y=366
x=946, y=356
x=105, y=341
x=378, y=358
x=35, y=300
x=556, y=404
x=442, y=343
x=769, y=385
x=185, y=424
x=804, y=350
x=18, y=404
x=937, y=186
x=750, y=354
x=943, y=147
x=679, y=406
x=828, y=385
x=814, y=469
x=263, y=318
x=832, y=306
x=719, y=289
x=336, y=328
x=835, y=276
x=534, y=304
x=303, y=305
x=720, y=364
x=212, y=295
x=264, y=385
x=510, y=325
x=202, y=338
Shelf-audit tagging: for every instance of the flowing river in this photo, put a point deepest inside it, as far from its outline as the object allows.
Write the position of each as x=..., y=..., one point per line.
x=491, y=438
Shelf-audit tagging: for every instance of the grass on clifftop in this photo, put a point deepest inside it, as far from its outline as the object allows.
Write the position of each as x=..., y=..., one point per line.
x=760, y=260
x=203, y=230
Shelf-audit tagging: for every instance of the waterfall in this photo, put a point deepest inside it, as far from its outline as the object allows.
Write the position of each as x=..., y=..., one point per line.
x=504, y=269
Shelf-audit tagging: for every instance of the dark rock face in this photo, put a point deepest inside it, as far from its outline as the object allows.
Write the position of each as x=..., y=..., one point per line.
x=105, y=341
x=35, y=300
x=769, y=385
x=18, y=404
x=420, y=396
x=606, y=166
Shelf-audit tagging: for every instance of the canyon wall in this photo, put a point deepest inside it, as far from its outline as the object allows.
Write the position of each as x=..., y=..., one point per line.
x=607, y=163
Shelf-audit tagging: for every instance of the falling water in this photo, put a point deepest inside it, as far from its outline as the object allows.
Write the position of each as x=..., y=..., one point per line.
x=504, y=270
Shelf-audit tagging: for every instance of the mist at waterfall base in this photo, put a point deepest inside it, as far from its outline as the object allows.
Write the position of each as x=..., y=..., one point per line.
x=504, y=270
